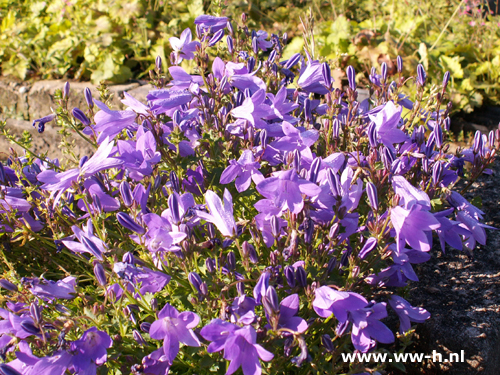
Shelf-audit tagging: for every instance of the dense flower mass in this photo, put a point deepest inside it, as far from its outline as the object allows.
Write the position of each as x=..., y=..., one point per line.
x=243, y=216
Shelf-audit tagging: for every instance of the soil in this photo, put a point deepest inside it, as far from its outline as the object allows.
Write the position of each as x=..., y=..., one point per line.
x=462, y=293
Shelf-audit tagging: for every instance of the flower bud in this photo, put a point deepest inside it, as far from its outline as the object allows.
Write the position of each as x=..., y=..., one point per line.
x=351, y=77
x=138, y=337
x=327, y=75
x=65, y=90
x=240, y=288
x=307, y=110
x=145, y=326
x=333, y=181
x=384, y=71
x=195, y=281
x=437, y=170
x=174, y=181
x=335, y=129
x=270, y=302
x=372, y=135
x=438, y=136
x=30, y=327
x=446, y=79
x=159, y=64
x=301, y=276
x=35, y=312
x=421, y=75
x=126, y=193
x=327, y=342
x=210, y=264
x=80, y=116
x=478, y=142
x=88, y=97
x=231, y=261
x=128, y=258
x=371, y=191
x=154, y=304
x=230, y=44
x=100, y=274
x=292, y=61
x=216, y=38
x=314, y=170
x=289, y=276
x=275, y=226
x=8, y=285
x=173, y=204
x=126, y=221
x=370, y=244
x=331, y=265
x=399, y=61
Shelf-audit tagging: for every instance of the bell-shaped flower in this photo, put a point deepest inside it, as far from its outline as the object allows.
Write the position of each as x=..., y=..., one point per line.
x=407, y=313
x=413, y=226
x=366, y=327
x=239, y=345
x=286, y=190
x=174, y=328
x=221, y=215
x=90, y=350
x=183, y=47
x=253, y=109
x=87, y=242
x=294, y=139
x=244, y=171
x=387, y=121
x=139, y=157
x=288, y=310
x=311, y=78
x=62, y=289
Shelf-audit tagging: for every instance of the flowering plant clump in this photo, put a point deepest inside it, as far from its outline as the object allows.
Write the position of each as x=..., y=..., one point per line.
x=248, y=216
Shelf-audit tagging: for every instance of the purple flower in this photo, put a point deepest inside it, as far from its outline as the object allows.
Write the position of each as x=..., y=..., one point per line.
x=183, y=48
x=160, y=236
x=89, y=350
x=366, y=326
x=412, y=226
x=109, y=123
x=407, y=313
x=211, y=24
x=244, y=170
x=56, y=364
x=62, y=289
x=387, y=120
x=286, y=190
x=311, y=78
x=194, y=181
x=167, y=100
x=352, y=307
x=60, y=182
x=254, y=110
x=239, y=344
x=139, y=157
x=287, y=315
x=173, y=328
x=147, y=280
x=262, y=43
x=88, y=243
x=220, y=215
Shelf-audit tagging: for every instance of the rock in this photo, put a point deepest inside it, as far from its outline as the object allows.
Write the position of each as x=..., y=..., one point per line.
x=45, y=143
x=13, y=99
x=41, y=96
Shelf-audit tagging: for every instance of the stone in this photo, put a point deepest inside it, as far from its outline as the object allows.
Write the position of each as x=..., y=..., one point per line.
x=14, y=99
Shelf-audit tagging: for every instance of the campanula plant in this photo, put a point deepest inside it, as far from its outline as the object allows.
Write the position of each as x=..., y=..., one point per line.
x=248, y=217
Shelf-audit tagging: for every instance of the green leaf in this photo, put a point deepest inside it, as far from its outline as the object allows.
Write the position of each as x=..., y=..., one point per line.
x=452, y=64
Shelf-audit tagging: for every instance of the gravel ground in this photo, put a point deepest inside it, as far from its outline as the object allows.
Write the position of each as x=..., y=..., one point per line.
x=462, y=293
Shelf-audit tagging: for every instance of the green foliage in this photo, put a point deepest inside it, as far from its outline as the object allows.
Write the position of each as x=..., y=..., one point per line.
x=93, y=40
x=107, y=40
x=444, y=35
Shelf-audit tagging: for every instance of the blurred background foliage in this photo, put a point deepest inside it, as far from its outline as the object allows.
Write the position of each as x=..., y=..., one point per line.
x=115, y=41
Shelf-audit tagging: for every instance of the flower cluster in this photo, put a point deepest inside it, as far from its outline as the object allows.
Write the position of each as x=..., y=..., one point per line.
x=241, y=218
